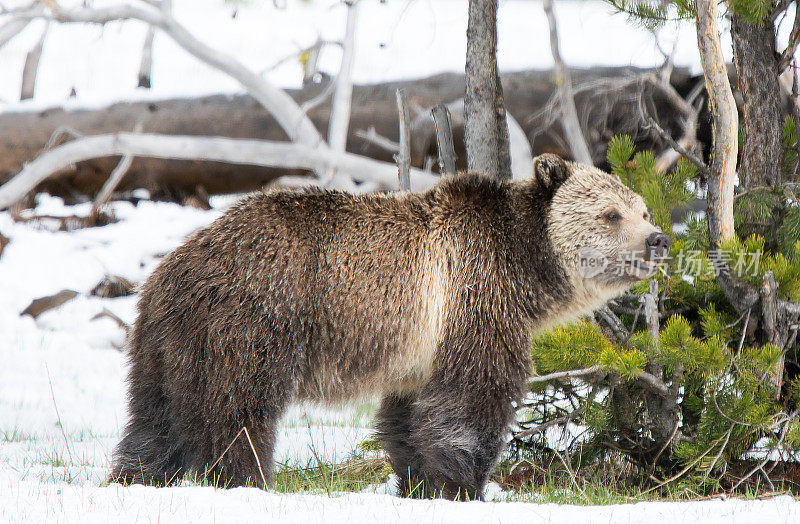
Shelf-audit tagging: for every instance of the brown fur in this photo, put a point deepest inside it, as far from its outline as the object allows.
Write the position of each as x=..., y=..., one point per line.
x=426, y=299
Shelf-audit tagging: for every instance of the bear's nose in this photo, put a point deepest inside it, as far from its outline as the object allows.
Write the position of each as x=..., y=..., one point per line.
x=657, y=244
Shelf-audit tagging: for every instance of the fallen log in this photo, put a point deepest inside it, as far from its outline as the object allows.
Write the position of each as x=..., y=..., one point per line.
x=605, y=98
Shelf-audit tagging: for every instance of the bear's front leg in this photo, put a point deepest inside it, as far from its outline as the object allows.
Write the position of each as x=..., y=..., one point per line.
x=458, y=433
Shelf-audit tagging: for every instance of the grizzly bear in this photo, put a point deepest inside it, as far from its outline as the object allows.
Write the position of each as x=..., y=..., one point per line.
x=427, y=299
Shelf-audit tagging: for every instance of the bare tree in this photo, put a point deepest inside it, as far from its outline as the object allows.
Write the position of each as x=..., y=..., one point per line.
x=775, y=313
x=343, y=91
x=31, y=68
x=725, y=124
x=569, y=115
x=314, y=154
x=486, y=132
x=146, y=64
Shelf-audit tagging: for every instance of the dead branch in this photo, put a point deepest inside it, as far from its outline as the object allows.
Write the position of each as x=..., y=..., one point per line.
x=444, y=139
x=403, y=156
x=238, y=151
x=569, y=115
x=104, y=195
x=371, y=136
x=794, y=38
x=663, y=162
x=616, y=326
x=106, y=313
x=146, y=63
x=286, y=112
x=652, y=383
x=14, y=27
x=31, y=68
x=343, y=90
x=113, y=181
x=688, y=142
x=315, y=102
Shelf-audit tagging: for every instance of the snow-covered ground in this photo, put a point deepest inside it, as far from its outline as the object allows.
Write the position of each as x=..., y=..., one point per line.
x=62, y=394
x=62, y=404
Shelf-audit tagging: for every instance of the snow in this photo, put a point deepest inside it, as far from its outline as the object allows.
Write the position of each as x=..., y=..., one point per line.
x=62, y=376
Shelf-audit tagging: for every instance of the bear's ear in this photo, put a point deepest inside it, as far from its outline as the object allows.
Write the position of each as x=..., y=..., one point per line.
x=550, y=171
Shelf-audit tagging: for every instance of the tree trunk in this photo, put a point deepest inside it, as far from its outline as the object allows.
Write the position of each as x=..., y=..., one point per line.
x=756, y=64
x=486, y=133
x=725, y=124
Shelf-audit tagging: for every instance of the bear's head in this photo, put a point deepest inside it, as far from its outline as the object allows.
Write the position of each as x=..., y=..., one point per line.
x=600, y=229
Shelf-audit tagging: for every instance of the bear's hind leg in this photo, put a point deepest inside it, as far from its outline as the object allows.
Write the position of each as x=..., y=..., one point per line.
x=394, y=433
x=148, y=453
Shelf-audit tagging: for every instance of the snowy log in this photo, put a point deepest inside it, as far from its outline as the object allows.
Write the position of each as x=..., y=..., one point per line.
x=252, y=152
x=24, y=134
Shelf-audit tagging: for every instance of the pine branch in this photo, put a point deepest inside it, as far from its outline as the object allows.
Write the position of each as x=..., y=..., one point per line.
x=608, y=317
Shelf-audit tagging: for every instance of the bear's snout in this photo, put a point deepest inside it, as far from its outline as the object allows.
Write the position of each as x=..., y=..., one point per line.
x=656, y=246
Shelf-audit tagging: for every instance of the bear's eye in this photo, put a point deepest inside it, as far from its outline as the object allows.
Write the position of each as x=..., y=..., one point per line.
x=646, y=216
x=612, y=216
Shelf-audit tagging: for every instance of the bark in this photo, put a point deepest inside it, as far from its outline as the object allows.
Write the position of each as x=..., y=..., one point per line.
x=756, y=69
x=722, y=167
x=403, y=157
x=444, y=139
x=774, y=327
x=486, y=135
x=662, y=406
x=725, y=127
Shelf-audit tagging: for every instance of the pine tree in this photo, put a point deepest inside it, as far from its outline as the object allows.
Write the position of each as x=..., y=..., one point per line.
x=709, y=365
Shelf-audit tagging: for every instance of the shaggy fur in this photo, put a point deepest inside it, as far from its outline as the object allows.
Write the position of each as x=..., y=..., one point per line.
x=426, y=299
